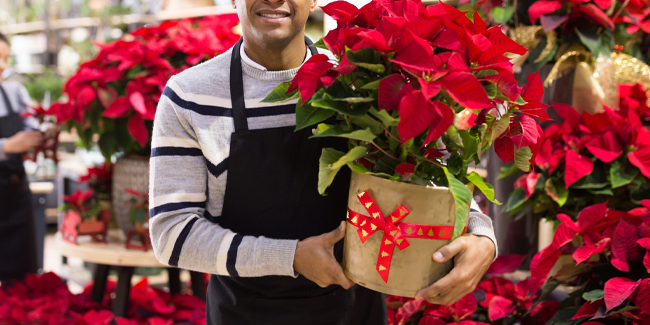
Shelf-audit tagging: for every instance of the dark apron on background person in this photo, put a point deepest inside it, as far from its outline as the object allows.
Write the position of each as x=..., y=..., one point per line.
x=17, y=230
x=272, y=191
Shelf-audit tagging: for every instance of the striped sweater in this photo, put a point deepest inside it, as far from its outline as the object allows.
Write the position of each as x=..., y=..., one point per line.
x=189, y=169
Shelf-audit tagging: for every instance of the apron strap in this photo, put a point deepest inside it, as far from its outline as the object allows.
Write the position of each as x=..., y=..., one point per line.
x=237, y=85
x=10, y=109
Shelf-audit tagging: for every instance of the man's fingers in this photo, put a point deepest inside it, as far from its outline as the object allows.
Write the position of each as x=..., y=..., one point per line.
x=447, y=252
x=441, y=286
x=341, y=279
x=337, y=234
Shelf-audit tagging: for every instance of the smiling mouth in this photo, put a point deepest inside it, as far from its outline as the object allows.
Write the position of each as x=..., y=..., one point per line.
x=273, y=16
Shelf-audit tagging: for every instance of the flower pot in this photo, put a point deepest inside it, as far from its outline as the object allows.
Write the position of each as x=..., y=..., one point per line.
x=128, y=172
x=73, y=227
x=546, y=231
x=411, y=268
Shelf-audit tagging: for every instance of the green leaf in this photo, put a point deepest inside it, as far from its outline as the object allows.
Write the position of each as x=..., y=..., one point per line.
x=383, y=116
x=279, y=94
x=522, y=158
x=462, y=197
x=326, y=174
x=454, y=136
x=516, y=199
x=307, y=115
x=331, y=162
x=508, y=170
x=604, y=191
x=557, y=193
x=320, y=44
x=486, y=188
x=341, y=107
x=470, y=144
x=340, y=91
x=502, y=15
x=500, y=126
x=596, y=180
x=491, y=90
x=622, y=175
x=368, y=122
x=371, y=85
x=337, y=131
x=138, y=215
x=590, y=40
x=485, y=73
x=593, y=295
x=366, y=58
x=106, y=144
x=520, y=101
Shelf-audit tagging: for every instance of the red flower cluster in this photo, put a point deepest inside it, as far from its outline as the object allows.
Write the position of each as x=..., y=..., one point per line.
x=46, y=300
x=607, y=136
x=126, y=79
x=553, y=13
x=437, y=51
x=604, y=236
x=79, y=201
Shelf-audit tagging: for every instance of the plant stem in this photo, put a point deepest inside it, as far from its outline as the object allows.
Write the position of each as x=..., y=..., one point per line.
x=382, y=150
x=434, y=162
x=621, y=9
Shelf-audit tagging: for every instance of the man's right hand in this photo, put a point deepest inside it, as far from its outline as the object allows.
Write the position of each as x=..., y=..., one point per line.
x=315, y=260
x=23, y=141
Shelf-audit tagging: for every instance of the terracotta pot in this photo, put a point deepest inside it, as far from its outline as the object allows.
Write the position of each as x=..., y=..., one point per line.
x=131, y=172
x=91, y=227
x=412, y=268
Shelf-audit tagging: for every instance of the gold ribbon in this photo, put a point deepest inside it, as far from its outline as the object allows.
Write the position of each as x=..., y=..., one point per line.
x=620, y=68
x=530, y=36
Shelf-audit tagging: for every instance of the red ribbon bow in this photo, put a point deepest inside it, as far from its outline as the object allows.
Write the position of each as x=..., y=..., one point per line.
x=395, y=231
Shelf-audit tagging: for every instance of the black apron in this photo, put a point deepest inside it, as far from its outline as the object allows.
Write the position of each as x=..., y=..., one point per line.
x=272, y=191
x=17, y=230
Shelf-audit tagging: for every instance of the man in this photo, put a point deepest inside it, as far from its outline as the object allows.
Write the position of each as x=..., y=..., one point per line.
x=17, y=233
x=233, y=189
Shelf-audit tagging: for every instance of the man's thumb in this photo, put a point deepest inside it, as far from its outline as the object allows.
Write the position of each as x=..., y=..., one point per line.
x=337, y=234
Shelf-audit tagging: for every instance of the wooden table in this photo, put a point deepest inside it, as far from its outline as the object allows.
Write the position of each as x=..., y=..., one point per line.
x=114, y=254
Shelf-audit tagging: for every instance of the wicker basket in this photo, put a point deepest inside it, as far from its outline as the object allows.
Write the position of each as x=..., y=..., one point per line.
x=131, y=172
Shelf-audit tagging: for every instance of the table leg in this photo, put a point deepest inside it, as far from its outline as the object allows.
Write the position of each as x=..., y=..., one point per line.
x=174, y=280
x=122, y=291
x=198, y=285
x=99, y=282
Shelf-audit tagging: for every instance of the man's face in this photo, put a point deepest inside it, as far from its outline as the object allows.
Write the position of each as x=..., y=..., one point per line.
x=4, y=57
x=273, y=21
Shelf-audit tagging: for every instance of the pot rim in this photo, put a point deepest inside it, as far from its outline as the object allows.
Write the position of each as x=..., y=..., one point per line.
x=437, y=188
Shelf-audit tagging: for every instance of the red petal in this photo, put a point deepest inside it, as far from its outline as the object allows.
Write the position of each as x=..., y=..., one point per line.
x=644, y=242
x=528, y=135
x=624, y=245
x=641, y=159
x=441, y=123
x=416, y=114
x=309, y=75
x=465, y=89
x=542, y=7
x=646, y=261
x=345, y=66
x=604, y=4
x=429, y=89
x=500, y=307
x=340, y=10
x=585, y=252
x=577, y=167
x=605, y=147
x=405, y=169
x=551, y=22
x=595, y=14
x=138, y=130
x=118, y=108
x=86, y=95
x=505, y=264
x=617, y=290
x=507, y=84
x=391, y=91
x=568, y=113
x=545, y=311
x=597, y=122
x=533, y=90
x=433, y=153
x=416, y=58
x=544, y=155
x=589, y=309
x=641, y=296
x=505, y=149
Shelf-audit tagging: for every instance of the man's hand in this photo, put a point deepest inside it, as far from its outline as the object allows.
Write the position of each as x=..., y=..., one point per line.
x=315, y=260
x=23, y=141
x=472, y=257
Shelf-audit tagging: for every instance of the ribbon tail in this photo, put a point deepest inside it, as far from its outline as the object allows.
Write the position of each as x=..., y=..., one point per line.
x=385, y=257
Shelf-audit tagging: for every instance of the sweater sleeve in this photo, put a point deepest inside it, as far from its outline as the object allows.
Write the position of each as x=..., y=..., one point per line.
x=183, y=232
x=480, y=224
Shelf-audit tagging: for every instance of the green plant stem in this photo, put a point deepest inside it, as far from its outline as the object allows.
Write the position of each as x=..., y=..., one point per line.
x=435, y=163
x=382, y=150
x=386, y=129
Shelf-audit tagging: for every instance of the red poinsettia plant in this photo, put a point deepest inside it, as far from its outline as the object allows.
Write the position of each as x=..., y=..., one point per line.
x=403, y=72
x=501, y=302
x=100, y=180
x=83, y=202
x=115, y=94
x=138, y=206
x=609, y=265
x=589, y=159
x=46, y=299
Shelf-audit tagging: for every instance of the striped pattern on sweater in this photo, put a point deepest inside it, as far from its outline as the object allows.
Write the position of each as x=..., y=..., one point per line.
x=189, y=168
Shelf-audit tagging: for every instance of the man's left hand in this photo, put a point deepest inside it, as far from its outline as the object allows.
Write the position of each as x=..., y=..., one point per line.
x=472, y=257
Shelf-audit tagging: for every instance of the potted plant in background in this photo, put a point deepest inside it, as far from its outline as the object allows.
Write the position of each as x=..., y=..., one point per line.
x=114, y=95
x=404, y=71
x=83, y=215
x=138, y=206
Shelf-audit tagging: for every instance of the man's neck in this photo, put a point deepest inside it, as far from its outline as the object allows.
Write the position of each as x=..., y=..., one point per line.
x=277, y=57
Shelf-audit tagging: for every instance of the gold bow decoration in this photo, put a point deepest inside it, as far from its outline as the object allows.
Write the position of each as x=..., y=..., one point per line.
x=530, y=36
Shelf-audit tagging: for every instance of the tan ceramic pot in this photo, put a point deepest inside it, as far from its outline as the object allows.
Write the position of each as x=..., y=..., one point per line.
x=412, y=268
